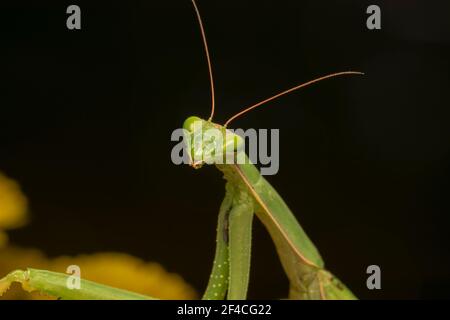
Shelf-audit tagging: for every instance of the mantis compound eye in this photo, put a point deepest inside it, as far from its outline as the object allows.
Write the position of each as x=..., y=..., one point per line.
x=189, y=123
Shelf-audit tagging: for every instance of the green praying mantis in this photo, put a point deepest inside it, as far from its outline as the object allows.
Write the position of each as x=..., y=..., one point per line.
x=247, y=193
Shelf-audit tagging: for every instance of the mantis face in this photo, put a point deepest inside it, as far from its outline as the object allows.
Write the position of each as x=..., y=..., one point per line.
x=209, y=142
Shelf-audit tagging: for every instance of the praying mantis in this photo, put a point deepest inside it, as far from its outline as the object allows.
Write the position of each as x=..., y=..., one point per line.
x=247, y=193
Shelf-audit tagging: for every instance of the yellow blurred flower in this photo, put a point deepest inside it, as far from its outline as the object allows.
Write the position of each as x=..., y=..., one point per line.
x=13, y=207
x=119, y=270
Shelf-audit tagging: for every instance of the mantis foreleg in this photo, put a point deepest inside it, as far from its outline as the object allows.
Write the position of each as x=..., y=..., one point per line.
x=218, y=281
x=231, y=266
x=239, y=248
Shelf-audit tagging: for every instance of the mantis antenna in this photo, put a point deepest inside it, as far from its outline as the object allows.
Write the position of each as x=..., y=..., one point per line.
x=205, y=43
x=291, y=90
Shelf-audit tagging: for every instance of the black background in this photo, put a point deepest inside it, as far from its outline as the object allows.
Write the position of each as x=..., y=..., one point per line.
x=86, y=118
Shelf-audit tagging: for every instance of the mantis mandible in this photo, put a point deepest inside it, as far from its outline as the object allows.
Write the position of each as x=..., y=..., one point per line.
x=247, y=192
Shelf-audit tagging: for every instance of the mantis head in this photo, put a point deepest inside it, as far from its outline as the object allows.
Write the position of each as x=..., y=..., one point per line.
x=209, y=142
